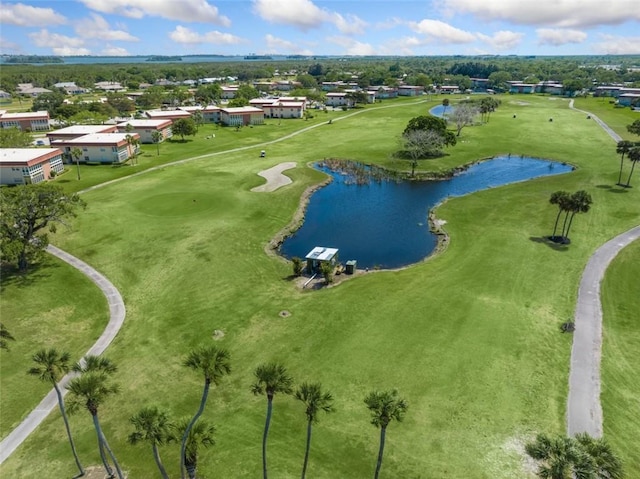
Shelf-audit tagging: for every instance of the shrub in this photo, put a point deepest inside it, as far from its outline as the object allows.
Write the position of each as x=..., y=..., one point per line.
x=298, y=265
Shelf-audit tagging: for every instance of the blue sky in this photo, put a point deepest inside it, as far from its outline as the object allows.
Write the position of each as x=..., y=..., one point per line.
x=314, y=27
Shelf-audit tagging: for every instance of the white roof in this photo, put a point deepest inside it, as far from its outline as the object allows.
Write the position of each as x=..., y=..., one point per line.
x=23, y=155
x=242, y=109
x=322, y=254
x=165, y=113
x=81, y=129
x=99, y=138
x=144, y=123
x=26, y=114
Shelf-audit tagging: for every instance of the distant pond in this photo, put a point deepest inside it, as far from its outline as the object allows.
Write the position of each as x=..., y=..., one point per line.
x=384, y=224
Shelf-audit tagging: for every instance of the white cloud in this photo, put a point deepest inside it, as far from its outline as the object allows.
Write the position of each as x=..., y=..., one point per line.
x=183, y=10
x=349, y=25
x=275, y=44
x=185, y=35
x=389, y=23
x=28, y=16
x=559, y=36
x=565, y=13
x=111, y=51
x=353, y=47
x=97, y=27
x=305, y=15
x=443, y=32
x=302, y=14
x=44, y=38
x=503, y=39
x=616, y=45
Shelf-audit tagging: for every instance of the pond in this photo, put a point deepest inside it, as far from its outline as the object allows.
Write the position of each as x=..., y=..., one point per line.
x=439, y=110
x=384, y=224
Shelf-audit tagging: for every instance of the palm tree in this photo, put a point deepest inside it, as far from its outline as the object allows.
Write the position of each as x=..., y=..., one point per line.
x=5, y=336
x=271, y=378
x=580, y=203
x=634, y=156
x=214, y=364
x=607, y=464
x=385, y=406
x=153, y=427
x=90, y=390
x=197, y=118
x=157, y=137
x=51, y=367
x=560, y=198
x=560, y=458
x=445, y=104
x=622, y=149
x=76, y=154
x=315, y=400
x=200, y=435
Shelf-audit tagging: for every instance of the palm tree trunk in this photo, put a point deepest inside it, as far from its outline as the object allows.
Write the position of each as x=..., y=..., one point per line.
x=633, y=165
x=564, y=224
x=383, y=431
x=96, y=424
x=113, y=457
x=183, y=446
x=621, y=165
x=66, y=425
x=264, y=436
x=555, y=227
x=306, y=452
x=156, y=456
x=566, y=235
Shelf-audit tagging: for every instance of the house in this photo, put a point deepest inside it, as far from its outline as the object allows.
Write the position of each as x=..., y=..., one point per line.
x=20, y=166
x=384, y=92
x=71, y=88
x=550, y=87
x=448, y=89
x=609, y=90
x=287, y=85
x=28, y=121
x=109, y=86
x=285, y=107
x=146, y=128
x=76, y=131
x=479, y=84
x=241, y=116
x=319, y=255
x=628, y=99
x=100, y=148
x=172, y=115
x=518, y=87
x=30, y=90
x=4, y=95
x=228, y=92
x=210, y=113
x=338, y=98
x=410, y=90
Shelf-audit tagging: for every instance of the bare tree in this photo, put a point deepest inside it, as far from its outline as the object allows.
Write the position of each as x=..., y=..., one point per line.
x=463, y=115
x=422, y=144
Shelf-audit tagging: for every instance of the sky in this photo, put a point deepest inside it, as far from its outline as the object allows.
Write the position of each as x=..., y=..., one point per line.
x=315, y=27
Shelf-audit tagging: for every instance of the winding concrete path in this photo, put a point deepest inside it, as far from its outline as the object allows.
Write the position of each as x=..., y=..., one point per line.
x=604, y=126
x=117, y=314
x=584, y=411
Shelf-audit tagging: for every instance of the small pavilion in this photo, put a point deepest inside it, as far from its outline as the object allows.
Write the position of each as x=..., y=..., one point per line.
x=319, y=255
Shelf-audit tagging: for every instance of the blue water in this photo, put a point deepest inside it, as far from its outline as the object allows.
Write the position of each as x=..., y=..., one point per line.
x=90, y=60
x=439, y=110
x=385, y=224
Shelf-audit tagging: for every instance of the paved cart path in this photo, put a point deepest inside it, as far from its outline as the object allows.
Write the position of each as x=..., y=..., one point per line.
x=117, y=314
x=584, y=411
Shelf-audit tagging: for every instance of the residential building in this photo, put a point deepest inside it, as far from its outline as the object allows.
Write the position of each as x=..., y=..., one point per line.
x=4, y=95
x=99, y=148
x=146, y=128
x=448, y=89
x=210, y=113
x=287, y=85
x=172, y=115
x=71, y=88
x=76, y=131
x=242, y=116
x=410, y=90
x=338, y=98
x=20, y=166
x=228, y=92
x=27, y=121
x=109, y=86
x=517, y=87
x=30, y=90
x=479, y=84
x=628, y=99
x=384, y=92
x=285, y=107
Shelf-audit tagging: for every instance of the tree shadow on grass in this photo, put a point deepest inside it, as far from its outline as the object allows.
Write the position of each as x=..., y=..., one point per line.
x=551, y=244
x=604, y=187
x=12, y=276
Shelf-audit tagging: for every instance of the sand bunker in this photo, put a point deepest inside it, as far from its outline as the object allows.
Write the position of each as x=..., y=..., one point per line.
x=275, y=178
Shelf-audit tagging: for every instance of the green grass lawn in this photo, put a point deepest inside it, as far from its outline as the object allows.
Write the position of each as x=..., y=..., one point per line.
x=470, y=337
x=616, y=117
x=621, y=357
